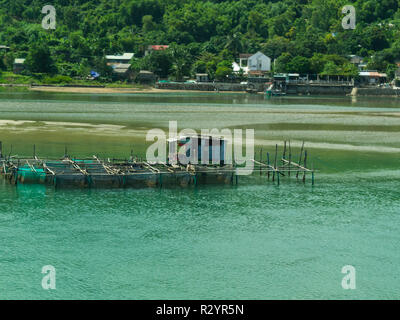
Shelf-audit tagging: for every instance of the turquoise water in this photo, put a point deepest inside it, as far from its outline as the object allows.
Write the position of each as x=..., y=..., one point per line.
x=251, y=241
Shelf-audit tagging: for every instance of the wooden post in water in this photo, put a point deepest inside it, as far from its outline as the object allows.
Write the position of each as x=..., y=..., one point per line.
x=301, y=156
x=284, y=151
x=305, y=166
x=261, y=161
x=34, y=151
x=268, y=173
x=279, y=181
x=312, y=175
x=290, y=158
x=275, y=162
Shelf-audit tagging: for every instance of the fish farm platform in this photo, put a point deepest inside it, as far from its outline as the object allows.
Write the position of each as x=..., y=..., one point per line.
x=95, y=173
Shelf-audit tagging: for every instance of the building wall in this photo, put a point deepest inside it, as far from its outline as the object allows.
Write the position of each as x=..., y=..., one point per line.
x=376, y=92
x=202, y=86
x=259, y=62
x=306, y=89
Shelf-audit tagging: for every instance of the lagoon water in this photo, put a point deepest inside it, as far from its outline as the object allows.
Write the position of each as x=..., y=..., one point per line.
x=251, y=241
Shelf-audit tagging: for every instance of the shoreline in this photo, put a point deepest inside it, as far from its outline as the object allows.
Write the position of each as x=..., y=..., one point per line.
x=356, y=92
x=105, y=90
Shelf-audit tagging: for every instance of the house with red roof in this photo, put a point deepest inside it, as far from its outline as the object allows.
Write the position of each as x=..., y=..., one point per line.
x=157, y=47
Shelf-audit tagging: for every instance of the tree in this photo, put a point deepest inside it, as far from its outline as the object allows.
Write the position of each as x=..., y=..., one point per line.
x=234, y=44
x=223, y=72
x=148, y=24
x=300, y=65
x=224, y=69
x=317, y=63
x=275, y=47
x=39, y=59
x=100, y=65
x=87, y=30
x=159, y=62
x=181, y=59
x=206, y=63
x=283, y=63
x=331, y=69
x=2, y=63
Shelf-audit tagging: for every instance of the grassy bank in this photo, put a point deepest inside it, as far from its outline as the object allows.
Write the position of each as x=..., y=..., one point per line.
x=9, y=78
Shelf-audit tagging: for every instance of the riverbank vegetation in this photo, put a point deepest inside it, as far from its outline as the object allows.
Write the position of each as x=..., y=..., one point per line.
x=304, y=36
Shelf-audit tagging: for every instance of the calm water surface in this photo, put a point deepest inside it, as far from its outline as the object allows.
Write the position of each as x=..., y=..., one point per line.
x=255, y=240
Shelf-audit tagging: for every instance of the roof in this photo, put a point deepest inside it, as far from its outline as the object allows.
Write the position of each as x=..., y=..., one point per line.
x=125, y=56
x=19, y=61
x=356, y=59
x=2, y=46
x=245, y=55
x=121, y=68
x=158, y=47
x=249, y=55
x=372, y=74
x=145, y=72
x=202, y=74
x=259, y=53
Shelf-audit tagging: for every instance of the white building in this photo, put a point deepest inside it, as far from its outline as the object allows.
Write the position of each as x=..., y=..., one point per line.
x=117, y=59
x=256, y=63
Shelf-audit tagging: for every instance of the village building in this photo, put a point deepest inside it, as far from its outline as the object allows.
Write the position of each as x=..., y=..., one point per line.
x=255, y=65
x=18, y=65
x=4, y=47
x=146, y=77
x=117, y=59
x=372, y=77
x=122, y=71
x=357, y=61
x=120, y=65
x=158, y=47
x=397, y=72
x=202, y=77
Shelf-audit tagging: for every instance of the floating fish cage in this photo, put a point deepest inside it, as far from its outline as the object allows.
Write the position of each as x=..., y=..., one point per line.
x=133, y=173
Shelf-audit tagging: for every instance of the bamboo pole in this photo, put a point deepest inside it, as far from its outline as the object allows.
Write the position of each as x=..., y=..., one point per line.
x=275, y=162
x=301, y=156
x=312, y=175
x=305, y=166
x=284, y=151
x=290, y=157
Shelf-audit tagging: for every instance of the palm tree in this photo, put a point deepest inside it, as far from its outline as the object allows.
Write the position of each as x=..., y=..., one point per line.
x=234, y=43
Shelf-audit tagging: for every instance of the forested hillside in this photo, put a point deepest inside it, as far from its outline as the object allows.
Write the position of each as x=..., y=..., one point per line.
x=304, y=36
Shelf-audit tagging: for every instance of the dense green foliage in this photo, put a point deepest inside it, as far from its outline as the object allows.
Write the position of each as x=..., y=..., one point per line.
x=303, y=35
